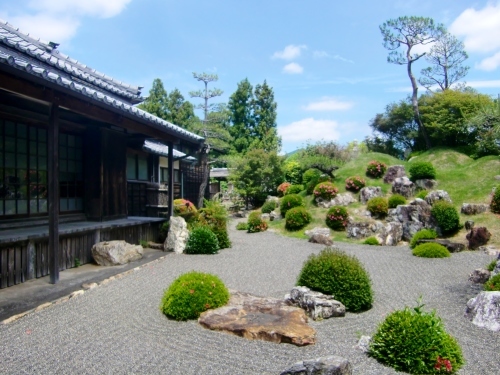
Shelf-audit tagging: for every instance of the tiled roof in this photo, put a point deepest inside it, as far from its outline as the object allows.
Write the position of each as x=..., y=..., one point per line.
x=41, y=59
x=161, y=149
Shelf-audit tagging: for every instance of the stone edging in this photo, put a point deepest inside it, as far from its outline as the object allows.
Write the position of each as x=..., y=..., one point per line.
x=76, y=293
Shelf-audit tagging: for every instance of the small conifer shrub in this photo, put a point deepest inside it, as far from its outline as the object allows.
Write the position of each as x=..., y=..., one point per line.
x=422, y=170
x=336, y=218
x=290, y=201
x=354, y=183
x=297, y=218
x=378, y=206
x=396, y=200
x=214, y=215
x=431, y=250
x=376, y=169
x=446, y=216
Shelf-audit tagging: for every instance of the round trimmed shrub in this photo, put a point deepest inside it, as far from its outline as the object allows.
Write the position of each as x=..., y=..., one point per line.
x=371, y=241
x=242, y=226
x=336, y=218
x=186, y=209
x=214, y=215
x=422, y=170
x=415, y=341
x=315, y=181
x=493, y=284
x=325, y=190
x=310, y=174
x=202, y=240
x=422, y=194
x=268, y=207
x=446, y=216
x=354, y=183
x=290, y=201
x=294, y=189
x=431, y=250
x=193, y=293
x=422, y=234
x=255, y=223
x=396, y=200
x=495, y=202
x=376, y=169
x=334, y=272
x=378, y=206
x=297, y=218
x=282, y=188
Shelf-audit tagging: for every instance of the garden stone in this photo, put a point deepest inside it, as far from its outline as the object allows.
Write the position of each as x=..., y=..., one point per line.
x=426, y=184
x=489, y=250
x=369, y=192
x=403, y=186
x=240, y=214
x=479, y=276
x=364, y=344
x=265, y=216
x=274, y=199
x=344, y=199
x=453, y=247
x=391, y=234
x=469, y=224
x=359, y=230
x=473, y=208
x=332, y=365
x=317, y=230
x=437, y=195
x=316, y=305
x=274, y=216
x=393, y=172
x=321, y=239
x=113, y=253
x=177, y=235
x=478, y=237
x=484, y=310
x=413, y=217
x=262, y=318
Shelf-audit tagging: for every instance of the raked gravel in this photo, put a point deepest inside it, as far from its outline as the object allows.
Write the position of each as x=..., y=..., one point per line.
x=118, y=328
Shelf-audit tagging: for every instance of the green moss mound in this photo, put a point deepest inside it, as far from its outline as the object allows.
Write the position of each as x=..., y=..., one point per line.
x=446, y=216
x=336, y=218
x=396, y=200
x=290, y=201
x=297, y=218
x=193, y=293
x=493, y=284
x=378, y=206
x=371, y=241
x=334, y=272
x=420, y=170
x=422, y=234
x=431, y=250
x=202, y=241
x=415, y=341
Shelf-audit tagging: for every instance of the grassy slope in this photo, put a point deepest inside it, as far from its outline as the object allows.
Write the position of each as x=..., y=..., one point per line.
x=466, y=181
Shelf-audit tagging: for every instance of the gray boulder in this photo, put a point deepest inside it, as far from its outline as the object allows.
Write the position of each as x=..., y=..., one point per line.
x=177, y=235
x=274, y=216
x=363, y=229
x=391, y=234
x=369, y=192
x=496, y=270
x=413, y=217
x=316, y=305
x=344, y=199
x=479, y=276
x=393, y=172
x=317, y=230
x=473, y=208
x=364, y=344
x=403, y=186
x=113, y=253
x=332, y=365
x=469, y=224
x=437, y=195
x=426, y=184
x=321, y=239
x=484, y=310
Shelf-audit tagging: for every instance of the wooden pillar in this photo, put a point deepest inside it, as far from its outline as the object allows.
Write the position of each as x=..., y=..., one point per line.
x=53, y=198
x=170, y=179
x=31, y=259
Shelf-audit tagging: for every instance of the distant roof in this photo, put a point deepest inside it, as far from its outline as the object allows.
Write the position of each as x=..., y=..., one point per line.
x=159, y=148
x=43, y=60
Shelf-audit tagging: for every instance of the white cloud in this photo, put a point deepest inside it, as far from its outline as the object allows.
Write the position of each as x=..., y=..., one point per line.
x=490, y=63
x=329, y=104
x=290, y=52
x=324, y=54
x=94, y=8
x=310, y=129
x=293, y=68
x=480, y=28
x=484, y=84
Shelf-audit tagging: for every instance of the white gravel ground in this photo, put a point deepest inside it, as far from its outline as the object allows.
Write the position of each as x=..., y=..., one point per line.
x=118, y=328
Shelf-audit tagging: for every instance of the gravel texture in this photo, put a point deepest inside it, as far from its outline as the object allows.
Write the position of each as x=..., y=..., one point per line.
x=118, y=328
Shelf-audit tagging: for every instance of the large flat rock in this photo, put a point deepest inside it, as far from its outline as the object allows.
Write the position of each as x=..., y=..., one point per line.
x=262, y=318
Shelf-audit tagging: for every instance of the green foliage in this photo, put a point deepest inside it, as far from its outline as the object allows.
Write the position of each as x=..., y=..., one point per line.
x=422, y=194
x=164, y=231
x=297, y=218
x=396, y=200
x=265, y=134
x=343, y=276
x=431, y=250
x=185, y=209
x=282, y=188
x=485, y=125
x=290, y=201
x=378, y=206
x=422, y=234
x=325, y=190
x=294, y=189
x=293, y=171
x=242, y=226
x=315, y=181
x=493, y=284
x=491, y=266
x=193, y=293
x=310, y=175
x=214, y=215
x=241, y=116
x=371, y=241
x=144, y=243
x=422, y=170
x=268, y=207
x=355, y=183
x=446, y=216
x=336, y=218
x=202, y=241
x=255, y=223
x=78, y=263
x=415, y=341
x=495, y=202
x=376, y=169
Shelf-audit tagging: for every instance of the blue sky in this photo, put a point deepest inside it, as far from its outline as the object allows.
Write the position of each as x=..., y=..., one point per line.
x=323, y=58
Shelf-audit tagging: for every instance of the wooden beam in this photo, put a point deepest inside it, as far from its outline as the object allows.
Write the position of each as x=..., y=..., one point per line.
x=170, y=179
x=53, y=156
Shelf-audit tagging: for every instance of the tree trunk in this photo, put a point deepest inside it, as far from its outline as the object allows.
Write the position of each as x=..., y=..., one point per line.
x=204, y=182
x=414, y=103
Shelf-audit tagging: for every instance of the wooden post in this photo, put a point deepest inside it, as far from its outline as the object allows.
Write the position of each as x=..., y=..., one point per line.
x=170, y=179
x=30, y=274
x=53, y=198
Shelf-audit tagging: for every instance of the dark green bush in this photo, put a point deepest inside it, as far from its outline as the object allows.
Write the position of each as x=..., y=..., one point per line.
x=326, y=190
x=164, y=231
x=495, y=202
x=193, y=293
x=422, y=194
x=491, y=266
x=493, y=284
x=378, y=206
x=371, y=241
x=422, y=170
x=396, y=200
x=334, y=272
x=422, y=234
x=294, y=189
x=214, y=215
x=310, y=174
x=290, y=201
x=415, y=341
x=431, y=250
x=355, y=183
x=446, y=216
x=242, y=226
x=336, y=218
x=202, y=241
x=268, y=207
x=376, y=169
x=297, y=218
x=255, y=223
